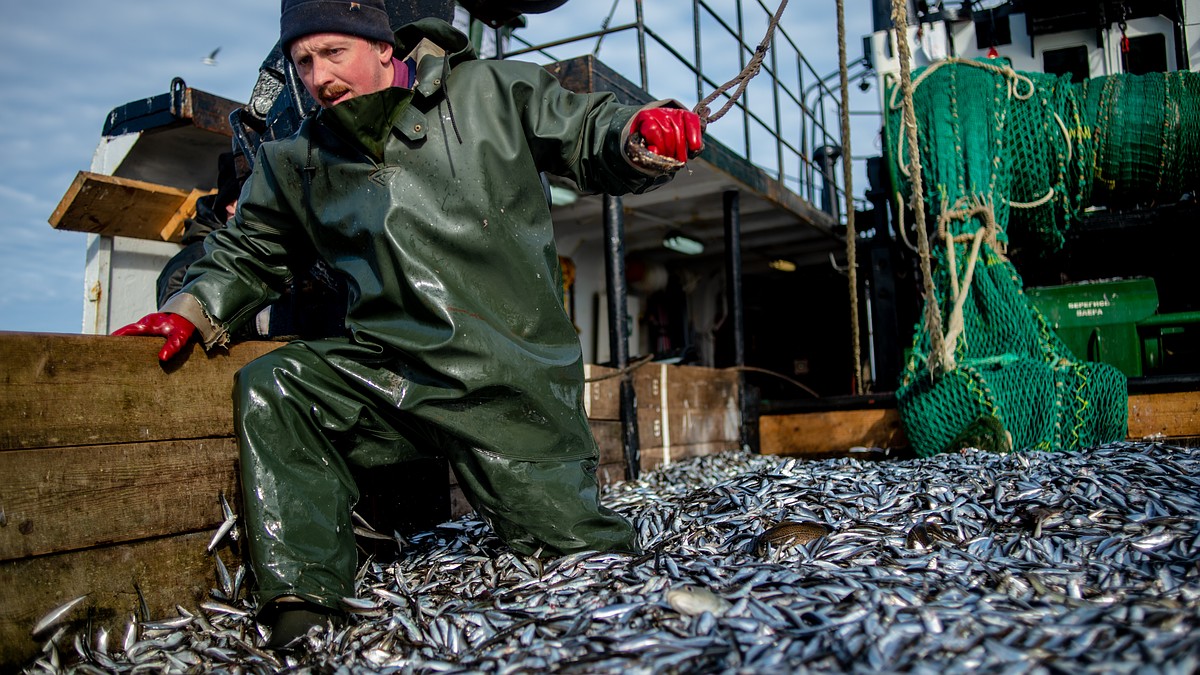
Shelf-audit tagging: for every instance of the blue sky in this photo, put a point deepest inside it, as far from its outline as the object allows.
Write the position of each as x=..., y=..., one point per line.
x=64, y=65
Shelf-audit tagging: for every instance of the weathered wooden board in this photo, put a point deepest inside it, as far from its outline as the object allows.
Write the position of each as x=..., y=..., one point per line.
x=586, y=74
x=608, y=474
x=608, y=437
x=62, y=499
x=124, y=207
x=1165, y=415
x=830, y=433
x=612, y=451
x=69, y=390
x=168, y=571
x=1174, y=415
x=601, y=393
x=700, y=405
x=459, y=506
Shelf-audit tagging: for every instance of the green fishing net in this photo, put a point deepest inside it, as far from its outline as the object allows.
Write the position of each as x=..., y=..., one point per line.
x=1000, y=148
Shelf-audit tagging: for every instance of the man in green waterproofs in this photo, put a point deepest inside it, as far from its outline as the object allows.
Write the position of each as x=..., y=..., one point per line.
x=418, y=182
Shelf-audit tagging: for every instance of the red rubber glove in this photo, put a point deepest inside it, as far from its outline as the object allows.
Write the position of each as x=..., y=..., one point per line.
x=670, y=132
x=175, y=328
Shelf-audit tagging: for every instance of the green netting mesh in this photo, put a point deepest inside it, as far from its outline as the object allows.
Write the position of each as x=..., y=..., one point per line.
x=1000, y=147
x=1146, y=133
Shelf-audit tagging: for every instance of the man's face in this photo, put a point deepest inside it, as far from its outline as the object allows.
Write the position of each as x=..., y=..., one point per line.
x=336, y=67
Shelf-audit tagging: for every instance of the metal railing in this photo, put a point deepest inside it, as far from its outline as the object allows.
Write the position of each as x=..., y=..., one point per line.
x=787, y=113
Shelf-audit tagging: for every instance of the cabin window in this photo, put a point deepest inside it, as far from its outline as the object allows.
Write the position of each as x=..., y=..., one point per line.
x=991, y=29
x=1147, y=54
x=1071, y=61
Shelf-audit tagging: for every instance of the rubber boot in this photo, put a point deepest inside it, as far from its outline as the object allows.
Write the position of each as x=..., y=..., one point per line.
x=290, y=620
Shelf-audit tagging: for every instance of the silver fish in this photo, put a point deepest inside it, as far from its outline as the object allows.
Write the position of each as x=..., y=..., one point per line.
x=988, y=590
x=55, y=615
x=226, y=528
x=693, y=600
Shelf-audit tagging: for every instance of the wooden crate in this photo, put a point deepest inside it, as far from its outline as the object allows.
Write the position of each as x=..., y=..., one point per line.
x=114, y=466
x=685, y=411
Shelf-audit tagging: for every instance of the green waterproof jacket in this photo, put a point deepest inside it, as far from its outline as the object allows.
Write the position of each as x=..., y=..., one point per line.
x=429, y=202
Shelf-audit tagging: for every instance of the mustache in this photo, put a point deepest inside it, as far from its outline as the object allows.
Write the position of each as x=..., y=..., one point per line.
x=331, y=92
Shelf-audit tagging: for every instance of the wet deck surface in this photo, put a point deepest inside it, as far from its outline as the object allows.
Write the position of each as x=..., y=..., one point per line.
x=1082, y=562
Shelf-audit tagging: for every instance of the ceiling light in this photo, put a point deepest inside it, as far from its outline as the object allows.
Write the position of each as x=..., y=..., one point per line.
x=782, y=265
x=678, y=241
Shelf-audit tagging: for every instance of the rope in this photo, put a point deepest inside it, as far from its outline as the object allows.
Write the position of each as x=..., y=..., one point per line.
x=900, y=227
x=785, y=378
x=1049, y=193
x=623, y=371
x=749, y=369
x=977, y=207
x=847, y=178
x=635, y=146
x=1066, y=134
x=743, y=78
x=933, y=315
x=1033, y=204
x=1013, y=78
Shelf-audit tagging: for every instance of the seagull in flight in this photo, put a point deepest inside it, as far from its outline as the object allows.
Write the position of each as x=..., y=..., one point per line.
x=211, y=59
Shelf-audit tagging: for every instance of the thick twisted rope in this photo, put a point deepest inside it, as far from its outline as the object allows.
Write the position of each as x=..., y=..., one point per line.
x=848, y=181
x=933, y=314
x=970, y=208
x=636, y=147
x=743, y=78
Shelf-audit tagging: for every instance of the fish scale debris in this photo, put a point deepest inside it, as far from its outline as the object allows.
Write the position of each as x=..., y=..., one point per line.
x=1022, y=563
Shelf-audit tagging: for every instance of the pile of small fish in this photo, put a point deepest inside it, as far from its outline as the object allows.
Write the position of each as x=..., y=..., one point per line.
x=1022, y=563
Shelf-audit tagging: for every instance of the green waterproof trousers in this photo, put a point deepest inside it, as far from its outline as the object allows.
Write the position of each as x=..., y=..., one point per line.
x=305, y=417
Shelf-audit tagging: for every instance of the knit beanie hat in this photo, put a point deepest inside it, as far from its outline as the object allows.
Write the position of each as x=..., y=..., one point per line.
x=364, y=18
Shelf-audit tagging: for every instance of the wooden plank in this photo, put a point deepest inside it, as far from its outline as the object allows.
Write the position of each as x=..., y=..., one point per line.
x=608, y=474
x=67, y=390
x=1157, y=416
x=689, y=388
x=122, y=207
x=209, y=111
x=459, y=506
x=700, y=406
x=830, y=433
x=685, y=427
x=601, y=393
x=62, y=499
x=169, y=571
x=702, y=387
x=172, y=230
x=1168, y=415
x=609, y=439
